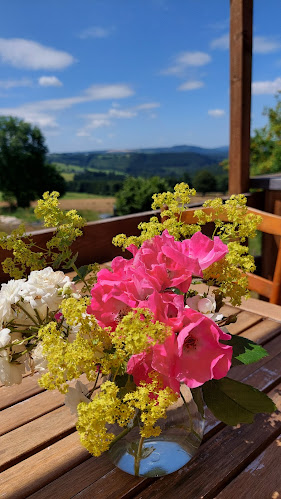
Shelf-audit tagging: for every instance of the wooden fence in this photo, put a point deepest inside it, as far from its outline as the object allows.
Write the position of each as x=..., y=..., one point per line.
x=96, y=243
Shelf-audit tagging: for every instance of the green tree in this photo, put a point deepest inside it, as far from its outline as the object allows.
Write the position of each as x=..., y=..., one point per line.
x=266, y=142
x=204, y=181
x=24, y=174
x=136, y=194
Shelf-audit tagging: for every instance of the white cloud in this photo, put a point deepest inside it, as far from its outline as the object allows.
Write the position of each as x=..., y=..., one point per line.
x=147, y=105
x=216, y=113
x=221, y=43
x=186, y=59
x=266, y=87
x=23, y=82
x=83, y=133
x=261, y=44
x=101, y=92
x=264, y=45
x=49, y=81
x=191, y=85
x=28, y=54
x=35, y=112
x=95, y=32
x=122, y=113
x=43, y=120
x=101, y=120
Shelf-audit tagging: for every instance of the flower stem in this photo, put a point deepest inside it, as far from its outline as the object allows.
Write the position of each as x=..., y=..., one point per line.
x=138, y=457
x=190, y=418
x=28, y=315
x=90, y=392
x=81, y=277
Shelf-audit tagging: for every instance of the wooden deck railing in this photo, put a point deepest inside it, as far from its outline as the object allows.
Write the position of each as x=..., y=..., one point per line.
x=96, y=243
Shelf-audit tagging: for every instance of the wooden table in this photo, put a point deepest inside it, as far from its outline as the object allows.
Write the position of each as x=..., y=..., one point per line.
x=41, y=457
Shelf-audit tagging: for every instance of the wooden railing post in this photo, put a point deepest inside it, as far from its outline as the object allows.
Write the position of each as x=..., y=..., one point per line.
x=241, y=21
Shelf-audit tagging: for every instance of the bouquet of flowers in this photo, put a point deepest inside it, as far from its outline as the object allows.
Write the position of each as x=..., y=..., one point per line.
x=134, y=336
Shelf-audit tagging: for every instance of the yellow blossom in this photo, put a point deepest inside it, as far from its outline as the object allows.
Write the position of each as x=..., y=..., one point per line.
x=152, y=401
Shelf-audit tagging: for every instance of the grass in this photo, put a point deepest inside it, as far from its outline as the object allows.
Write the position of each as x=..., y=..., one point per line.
x=68, y=177
x=81, y=195
x=24, y=214
x=89, y=215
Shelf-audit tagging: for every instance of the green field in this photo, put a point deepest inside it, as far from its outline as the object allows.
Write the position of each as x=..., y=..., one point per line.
x=81, y=195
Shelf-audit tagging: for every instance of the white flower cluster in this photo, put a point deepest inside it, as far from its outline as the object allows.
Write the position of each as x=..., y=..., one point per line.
x=24, y=305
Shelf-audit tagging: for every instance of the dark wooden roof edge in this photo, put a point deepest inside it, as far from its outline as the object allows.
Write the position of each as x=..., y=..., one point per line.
x=271, y=182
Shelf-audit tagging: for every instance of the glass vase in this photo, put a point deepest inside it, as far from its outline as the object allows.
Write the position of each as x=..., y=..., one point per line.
x=181, y=435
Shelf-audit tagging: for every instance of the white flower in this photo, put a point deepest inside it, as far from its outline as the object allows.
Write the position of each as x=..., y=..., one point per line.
x=40, y=363
x=69, y=289
x=5, y=337
x=10, y=372
x=76, y=395
x=43, y=288
x=206, y=305
x=10, y=294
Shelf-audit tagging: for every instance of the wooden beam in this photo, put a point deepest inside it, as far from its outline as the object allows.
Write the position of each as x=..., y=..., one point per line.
x=241, y=21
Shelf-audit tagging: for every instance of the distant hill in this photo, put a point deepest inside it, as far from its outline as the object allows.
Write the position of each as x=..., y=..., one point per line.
x=169, y=161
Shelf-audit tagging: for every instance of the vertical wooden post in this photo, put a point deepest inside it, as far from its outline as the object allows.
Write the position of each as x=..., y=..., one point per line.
x=241, y=21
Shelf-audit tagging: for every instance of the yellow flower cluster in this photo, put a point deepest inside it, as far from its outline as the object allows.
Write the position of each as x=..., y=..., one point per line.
x=233, y=225
x=136, y=332
x=153, y=402
x=232, y=222
x=68, y=360
x=172, y=206
x=67, y=228
x=228, y=273
x=23, y=256
x=144, y=406
x=93, y=417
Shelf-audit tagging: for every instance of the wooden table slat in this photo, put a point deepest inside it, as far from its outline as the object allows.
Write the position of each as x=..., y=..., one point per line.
x=30, y=475
x=75, y=480
x=262, y=308
x=30, y=409
x=263, y=331
x=261, y=479
x=244, y=321
x=10, y=395
x=37, y=433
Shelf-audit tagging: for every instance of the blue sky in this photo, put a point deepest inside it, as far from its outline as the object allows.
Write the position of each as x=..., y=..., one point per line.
x=123, y=74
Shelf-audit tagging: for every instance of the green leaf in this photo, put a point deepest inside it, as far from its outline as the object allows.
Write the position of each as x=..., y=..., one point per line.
x=245, y=351
x=233, y=402
x=83, y=271
x=198, y=399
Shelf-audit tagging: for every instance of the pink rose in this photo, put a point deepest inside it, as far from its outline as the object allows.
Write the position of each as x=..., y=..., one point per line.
x=195, y=355
x=140, y=367
x=204, y=249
